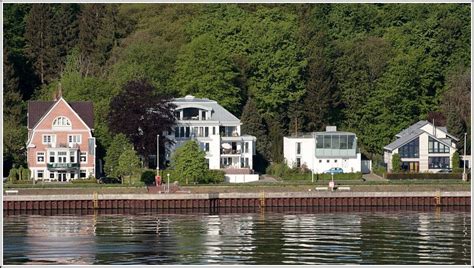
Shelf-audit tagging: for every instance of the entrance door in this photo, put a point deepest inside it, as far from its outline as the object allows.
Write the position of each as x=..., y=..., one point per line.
x=62, y=177
x=414, y=166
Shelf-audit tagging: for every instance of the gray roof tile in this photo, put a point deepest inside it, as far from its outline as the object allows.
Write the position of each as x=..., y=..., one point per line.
x=218, y=113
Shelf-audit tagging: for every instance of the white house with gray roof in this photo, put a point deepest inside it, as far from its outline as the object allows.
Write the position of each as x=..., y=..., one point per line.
x=321, y=151
x=422, y=147
x=218, y=133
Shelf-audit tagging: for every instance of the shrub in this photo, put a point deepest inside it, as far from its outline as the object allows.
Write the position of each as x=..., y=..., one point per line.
x=342, y=176
x=423, y=176
x=396, y=163
x=148, y=177
x=13, y=175
x=23, y=182
x=88, y=180
x=213, y=176
x=381, y=171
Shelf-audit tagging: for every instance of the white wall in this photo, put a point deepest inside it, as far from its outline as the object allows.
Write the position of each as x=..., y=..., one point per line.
x=308, y=158
x=240, y=178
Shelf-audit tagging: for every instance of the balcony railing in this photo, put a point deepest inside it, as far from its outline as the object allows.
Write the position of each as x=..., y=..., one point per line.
x=230, y=151
x=63, y=165
x=63, y=145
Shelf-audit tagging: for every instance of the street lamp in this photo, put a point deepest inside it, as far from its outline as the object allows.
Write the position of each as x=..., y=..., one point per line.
x=168, y=175
x=157, y=154
x=464, y=177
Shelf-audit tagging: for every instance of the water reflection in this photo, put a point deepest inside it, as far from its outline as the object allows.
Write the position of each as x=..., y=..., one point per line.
x=285, y=237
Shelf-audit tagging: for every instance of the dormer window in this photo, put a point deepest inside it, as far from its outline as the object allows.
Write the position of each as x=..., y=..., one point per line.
x=61, y=122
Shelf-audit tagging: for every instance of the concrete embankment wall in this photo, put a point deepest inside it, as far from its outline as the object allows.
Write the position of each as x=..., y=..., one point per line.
x=214, y=201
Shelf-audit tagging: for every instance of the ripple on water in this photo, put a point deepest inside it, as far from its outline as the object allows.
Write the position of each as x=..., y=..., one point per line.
x=272, y=238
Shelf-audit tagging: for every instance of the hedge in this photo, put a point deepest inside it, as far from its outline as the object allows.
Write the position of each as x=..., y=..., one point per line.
x=90, y=180
x=423, y=176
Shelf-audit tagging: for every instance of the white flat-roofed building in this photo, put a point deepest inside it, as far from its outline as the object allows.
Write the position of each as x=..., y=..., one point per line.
x=218, y=133
x=321, y=151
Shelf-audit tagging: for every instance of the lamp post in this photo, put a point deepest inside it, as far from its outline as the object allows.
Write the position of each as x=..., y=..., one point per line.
x=464, y=177
x=312, y=169
x=168, y=175
x=157, y=154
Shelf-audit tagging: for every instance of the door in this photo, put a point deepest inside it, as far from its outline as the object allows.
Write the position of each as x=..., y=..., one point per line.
x=414, y=166
x=62, y=176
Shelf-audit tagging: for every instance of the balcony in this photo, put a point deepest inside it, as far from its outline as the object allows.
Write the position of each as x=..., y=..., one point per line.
x=63, y=145
x=231, y=151
x=62, y=166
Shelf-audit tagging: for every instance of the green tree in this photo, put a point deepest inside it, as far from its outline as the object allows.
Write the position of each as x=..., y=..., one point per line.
x=189, y=162
x=128, y=165
x=396, y=163
x=40, y=41
x=118, y=145
x=204, y=69
x=254, y=124
x=455, y=162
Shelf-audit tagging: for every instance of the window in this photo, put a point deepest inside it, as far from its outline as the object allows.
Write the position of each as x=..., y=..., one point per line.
x=320, y=161
x=72, y=157
x=298, y=162
x=335, y=160
x=51, y=157
x=438, y=162
x=83, y=157
x=40, y=174
x=187, y=132
x=319, y=141
x=343, y=142
x=246, y=147
x=62, y=156
x=205, y=146
x=247, y=162
x=206, y=132
x=327, y=142
x=335, y=142
x=51, y=175
x=40, y=157
x=176, y=132
x=48, y=139
x=435, y=146
x=327, y=161
x=82, y=173
x=74, y=138
x=61, y=121
x=410, y=150
x=203, y=115
x=73, y=175
x=298, y=148
x=213, y=130
x=350, y=142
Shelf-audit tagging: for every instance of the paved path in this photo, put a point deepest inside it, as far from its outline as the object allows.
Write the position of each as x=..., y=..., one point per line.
x=373, y=177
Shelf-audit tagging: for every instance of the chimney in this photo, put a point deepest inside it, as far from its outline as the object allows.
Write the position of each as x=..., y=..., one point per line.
x=331, y=128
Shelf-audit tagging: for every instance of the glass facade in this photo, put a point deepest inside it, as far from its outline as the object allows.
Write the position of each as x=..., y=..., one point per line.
x=335, y=145
x=411, y=149
x=435, y=146
x=438, y=162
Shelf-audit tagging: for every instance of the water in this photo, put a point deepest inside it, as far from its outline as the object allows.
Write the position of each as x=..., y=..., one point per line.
x=377, y=237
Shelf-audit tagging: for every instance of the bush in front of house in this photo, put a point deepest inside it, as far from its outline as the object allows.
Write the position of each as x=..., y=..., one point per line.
x=423, y=176
x=396, y=163
x=148, y=177
x=283, y=171
x=341, y=176
x=213, y=176
x=88, y=180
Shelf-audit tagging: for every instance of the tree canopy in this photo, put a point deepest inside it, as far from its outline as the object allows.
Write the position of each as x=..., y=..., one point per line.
x=372, y=69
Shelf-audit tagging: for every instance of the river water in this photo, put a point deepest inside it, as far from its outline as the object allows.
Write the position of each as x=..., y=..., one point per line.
x=289, y=237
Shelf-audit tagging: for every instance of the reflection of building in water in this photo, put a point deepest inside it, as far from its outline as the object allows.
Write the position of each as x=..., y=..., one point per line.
x=60, y=239
x=229, y=238
x=430, y=228
x=320, y=238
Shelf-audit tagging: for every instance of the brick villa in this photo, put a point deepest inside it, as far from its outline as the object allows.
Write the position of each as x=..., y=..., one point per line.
x=60, y=144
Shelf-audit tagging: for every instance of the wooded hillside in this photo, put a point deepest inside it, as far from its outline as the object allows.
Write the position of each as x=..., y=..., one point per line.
x=373, y=69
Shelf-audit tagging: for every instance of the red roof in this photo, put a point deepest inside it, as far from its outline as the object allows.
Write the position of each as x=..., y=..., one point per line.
x=37, y=109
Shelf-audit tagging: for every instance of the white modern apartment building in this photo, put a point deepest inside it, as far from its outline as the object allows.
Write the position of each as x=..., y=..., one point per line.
x=218, y=133
x=422, y=147
x=321, y=151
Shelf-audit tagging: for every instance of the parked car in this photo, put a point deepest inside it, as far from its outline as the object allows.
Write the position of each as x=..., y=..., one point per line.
x=108, y=180
x=447, y=170
x=334, y=170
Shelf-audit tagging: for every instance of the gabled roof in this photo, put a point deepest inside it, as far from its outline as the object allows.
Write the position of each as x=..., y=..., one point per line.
x=218, y=113
x=412, y=128
x=37, y=109
x=404, y=139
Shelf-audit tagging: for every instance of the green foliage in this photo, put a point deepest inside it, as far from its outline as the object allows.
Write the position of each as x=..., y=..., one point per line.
x=455, y=161
x=424, y=176
x=85, y=181
x=128, y=165
x=213, y=176
x=396, y=163
x=379, y=170
x=189, y=162
x=118, y=145
x=148, y=177
x=13, y=175
x=281, y=170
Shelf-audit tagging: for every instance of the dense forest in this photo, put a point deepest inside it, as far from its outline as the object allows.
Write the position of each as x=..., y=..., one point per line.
x=372, y=69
